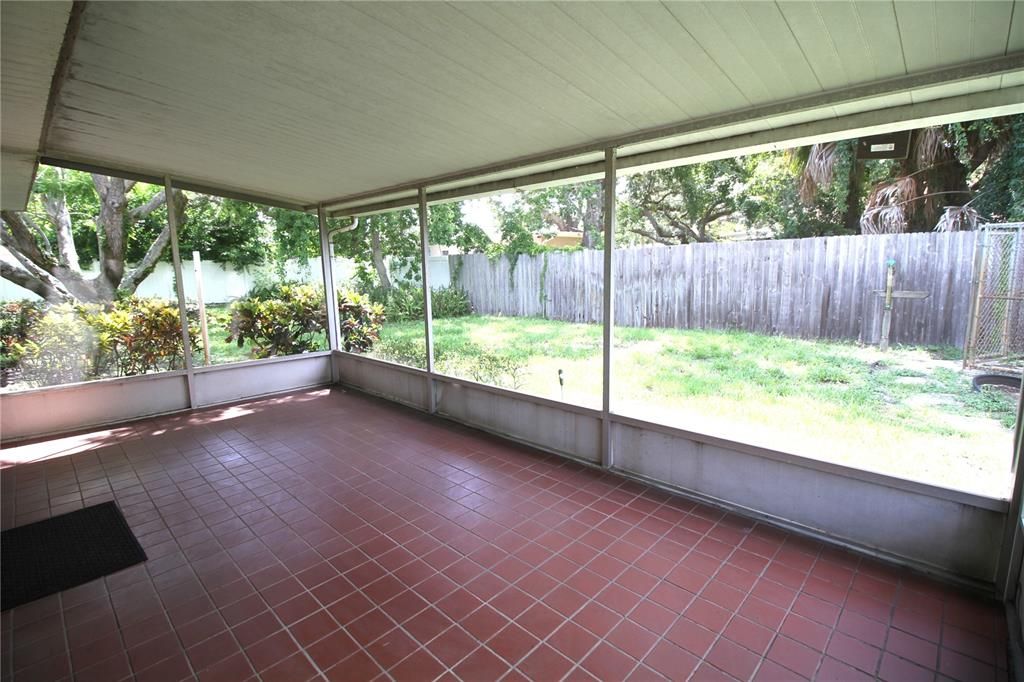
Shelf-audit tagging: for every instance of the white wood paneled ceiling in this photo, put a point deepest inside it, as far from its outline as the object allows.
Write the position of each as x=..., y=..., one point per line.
x=30, y=38
x=304, y=102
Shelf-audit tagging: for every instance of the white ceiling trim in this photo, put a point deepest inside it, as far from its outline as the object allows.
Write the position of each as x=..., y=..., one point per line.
x=813, y=107
x=934, y=112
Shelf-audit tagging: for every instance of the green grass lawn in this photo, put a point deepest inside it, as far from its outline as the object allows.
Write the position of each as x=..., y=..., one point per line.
x=909, y=412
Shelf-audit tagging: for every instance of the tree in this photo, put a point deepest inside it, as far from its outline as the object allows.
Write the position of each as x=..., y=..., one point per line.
x=952, y=176
x=395, y=236
x=41, y=245
x=830, y=179
x=576, y=207
x=677, y=205
x=1000, y=189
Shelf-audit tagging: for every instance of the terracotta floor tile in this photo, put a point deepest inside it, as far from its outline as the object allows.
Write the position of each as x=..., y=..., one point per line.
x=324, y=531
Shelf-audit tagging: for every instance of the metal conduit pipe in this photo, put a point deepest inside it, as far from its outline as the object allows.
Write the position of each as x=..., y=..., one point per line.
x=343, y=229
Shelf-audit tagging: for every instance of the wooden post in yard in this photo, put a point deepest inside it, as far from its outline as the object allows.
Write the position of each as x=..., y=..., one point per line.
x=197, y=266
x=887, y=299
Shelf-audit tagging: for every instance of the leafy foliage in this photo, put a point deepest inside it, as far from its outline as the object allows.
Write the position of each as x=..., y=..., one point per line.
x=405, y=302
x=1000, y=187
x=289, y=322
x=678, y=205
x=359, y=321
x=137, y=336
x=450, y=302
x=58, y=344
x=289, y=319
x=389, y=243
x=16, y=321
x=458, y=358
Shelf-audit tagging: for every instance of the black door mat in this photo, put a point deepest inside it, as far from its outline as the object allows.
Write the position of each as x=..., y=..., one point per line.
x=57, y=554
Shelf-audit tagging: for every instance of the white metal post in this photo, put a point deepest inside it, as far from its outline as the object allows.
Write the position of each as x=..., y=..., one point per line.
x=327, y=265
x=1009, y=566
x=428, y=315
x=204, y=331
x=608, y=316
x=179, y=286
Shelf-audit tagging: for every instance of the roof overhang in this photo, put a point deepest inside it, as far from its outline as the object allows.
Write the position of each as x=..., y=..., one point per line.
x=357, y=105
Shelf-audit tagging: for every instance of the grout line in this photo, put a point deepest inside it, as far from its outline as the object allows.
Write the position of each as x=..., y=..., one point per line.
x=238, y=460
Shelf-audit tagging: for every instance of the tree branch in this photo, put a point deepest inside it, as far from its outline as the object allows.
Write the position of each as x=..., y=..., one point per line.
x=57, y=210
x=132, y=279
x=685, y=231
x=155, y=202
x=18, y=236
x=30, y=276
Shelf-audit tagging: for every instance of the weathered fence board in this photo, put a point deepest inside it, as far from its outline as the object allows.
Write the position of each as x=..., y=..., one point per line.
x=810, y=288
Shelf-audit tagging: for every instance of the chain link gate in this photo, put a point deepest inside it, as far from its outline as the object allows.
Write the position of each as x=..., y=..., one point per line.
x=995, y=332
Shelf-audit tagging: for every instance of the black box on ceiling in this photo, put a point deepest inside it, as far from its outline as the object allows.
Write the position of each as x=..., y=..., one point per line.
x=887, y=146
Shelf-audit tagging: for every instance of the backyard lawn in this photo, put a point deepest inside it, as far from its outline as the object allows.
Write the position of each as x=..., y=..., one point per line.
x=910, y=412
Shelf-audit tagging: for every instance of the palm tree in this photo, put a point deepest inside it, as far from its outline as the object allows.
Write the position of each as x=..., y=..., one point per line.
x=932, y=189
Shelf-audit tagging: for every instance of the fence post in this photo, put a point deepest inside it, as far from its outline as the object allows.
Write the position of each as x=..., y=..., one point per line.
x=608, y=308
x=428, y=315
x=179, y=286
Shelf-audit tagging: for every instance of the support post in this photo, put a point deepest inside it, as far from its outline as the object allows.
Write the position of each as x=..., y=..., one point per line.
x=1009, y=566
x=608, y=308
x=428, y=316
x=179, y=286
x=330, y=294
x=197, y=270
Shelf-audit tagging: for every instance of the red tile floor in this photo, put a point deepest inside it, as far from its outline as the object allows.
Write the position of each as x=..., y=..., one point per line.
x=330, y=535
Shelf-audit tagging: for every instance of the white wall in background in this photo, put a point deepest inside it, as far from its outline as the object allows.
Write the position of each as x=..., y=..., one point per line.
x=221, y=283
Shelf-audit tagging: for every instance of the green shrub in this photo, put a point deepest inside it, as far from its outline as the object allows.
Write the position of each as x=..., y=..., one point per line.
x=287, y=324
x=16, y=320
x=359, y=321
x=404, y=303
x=138, y=336
x=265, y=289
x=71, y=342
x=464, y=359
x=450, y=302
x=61, y=347
x=294, y=321
x=410, y=352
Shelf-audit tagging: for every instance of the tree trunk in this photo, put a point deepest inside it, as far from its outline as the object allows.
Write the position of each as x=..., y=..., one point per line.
x=593, y=217
x=57, y=276
x=854, y=185
x=377, y=254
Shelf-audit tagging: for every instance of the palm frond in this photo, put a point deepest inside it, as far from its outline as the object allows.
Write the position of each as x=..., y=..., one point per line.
x=958, y=219
x=817, y=170
x=929, y=146
x=890, y=206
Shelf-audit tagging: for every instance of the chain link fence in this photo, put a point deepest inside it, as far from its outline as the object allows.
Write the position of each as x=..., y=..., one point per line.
x=995, y=332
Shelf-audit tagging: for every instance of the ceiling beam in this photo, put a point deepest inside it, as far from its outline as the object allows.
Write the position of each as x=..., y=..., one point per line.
x=947, y=75
x=179, y=183
x=61, y=70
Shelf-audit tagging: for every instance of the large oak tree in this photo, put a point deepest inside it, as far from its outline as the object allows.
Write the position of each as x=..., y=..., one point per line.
x=41, y=255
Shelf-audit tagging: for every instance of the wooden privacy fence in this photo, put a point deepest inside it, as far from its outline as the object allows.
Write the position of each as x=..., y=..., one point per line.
x=824, y=287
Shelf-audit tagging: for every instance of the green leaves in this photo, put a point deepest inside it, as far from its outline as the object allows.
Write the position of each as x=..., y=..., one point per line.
x=76, y=342
x=293, y=321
